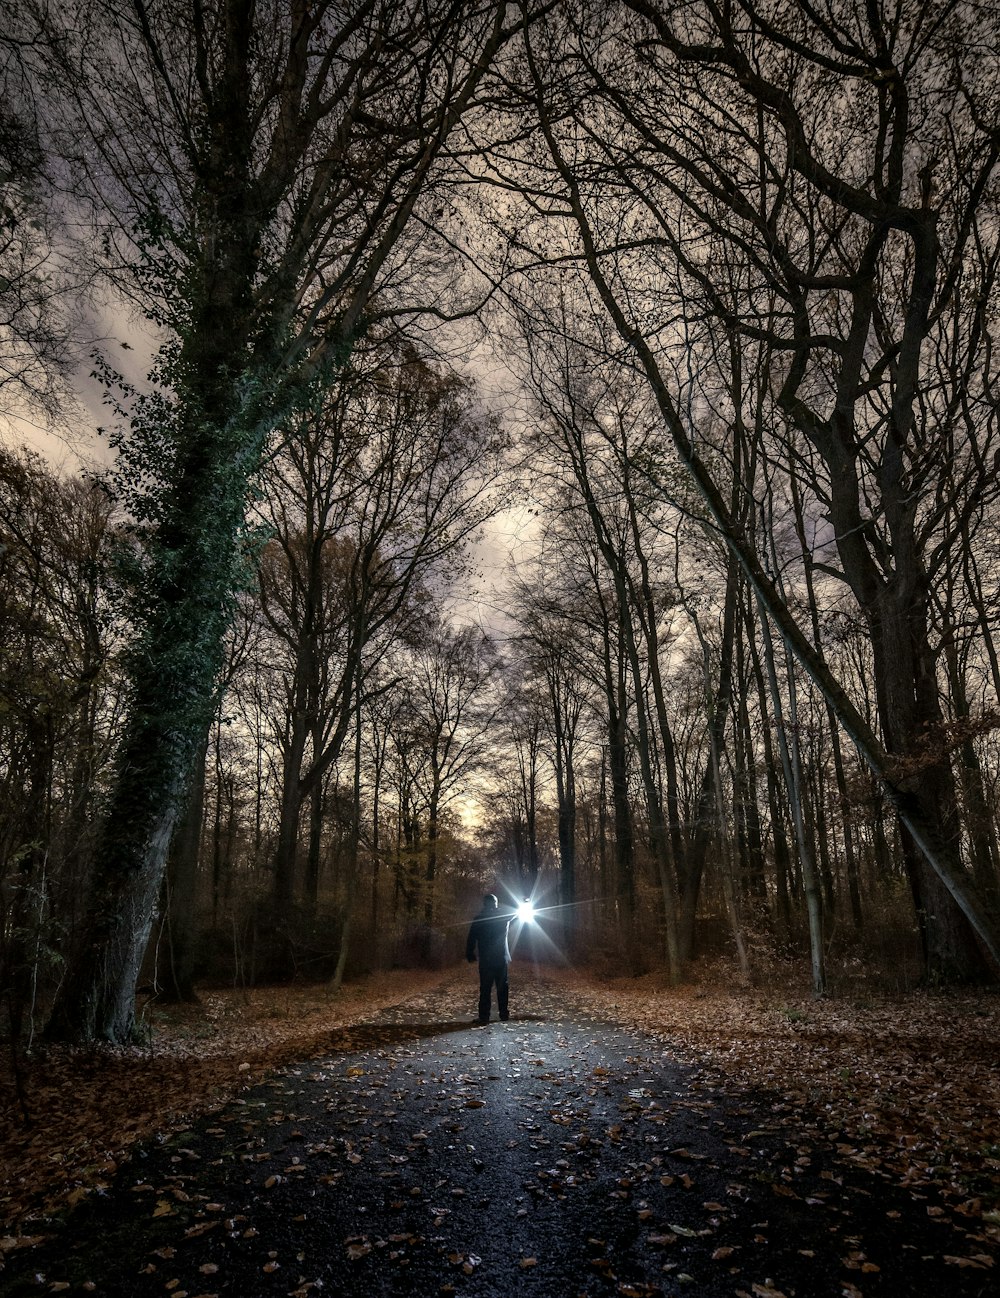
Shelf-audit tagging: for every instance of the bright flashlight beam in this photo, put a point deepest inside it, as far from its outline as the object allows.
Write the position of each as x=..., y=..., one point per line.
x=525, y=912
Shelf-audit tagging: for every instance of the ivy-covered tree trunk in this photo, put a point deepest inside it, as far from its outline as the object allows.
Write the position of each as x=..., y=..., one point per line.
x=175, y=665
x=165, y=727
x=176, y=968
x=210, y=437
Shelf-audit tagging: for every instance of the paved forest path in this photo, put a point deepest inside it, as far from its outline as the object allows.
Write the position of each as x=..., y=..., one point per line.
x=552, y=1156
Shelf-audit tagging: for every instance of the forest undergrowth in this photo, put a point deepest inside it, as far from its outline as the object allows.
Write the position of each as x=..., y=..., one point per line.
x=909, y=1085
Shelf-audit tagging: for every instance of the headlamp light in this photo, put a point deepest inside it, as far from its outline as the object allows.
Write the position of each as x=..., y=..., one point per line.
x=525, y=912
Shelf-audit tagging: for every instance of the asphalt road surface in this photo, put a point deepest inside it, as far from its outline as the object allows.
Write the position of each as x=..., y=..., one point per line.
x=552, y=1156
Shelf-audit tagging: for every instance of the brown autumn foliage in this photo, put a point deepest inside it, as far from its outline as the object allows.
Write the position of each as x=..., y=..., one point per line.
x=911, y=1083
x=87, y=1108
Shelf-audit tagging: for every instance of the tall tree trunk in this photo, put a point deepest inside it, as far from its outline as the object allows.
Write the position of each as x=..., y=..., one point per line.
x=847, y=823
x=815, y=813
x=850, y=858
x=286, y=852
x=654, y=811
x=182, y=891
x=621, y=806
x=776, y=805
x=603, y=871
x=751, y=847
x=564, y=721
x=788, y=746
x=353, y=854
x=717, y=700
x=909, y=704
x=980, y=824
x=644, y=602
x=314, y=850
x=377, y=774
x=430, y=869
x=729, y=890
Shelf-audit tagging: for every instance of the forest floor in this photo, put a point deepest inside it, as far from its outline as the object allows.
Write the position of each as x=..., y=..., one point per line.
x=634, y=1139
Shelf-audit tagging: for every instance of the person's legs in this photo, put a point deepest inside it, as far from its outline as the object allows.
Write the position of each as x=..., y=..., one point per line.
x=503, y=992
x=485, y=993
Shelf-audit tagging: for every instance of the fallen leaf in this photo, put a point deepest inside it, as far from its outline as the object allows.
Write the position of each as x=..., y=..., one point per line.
x=11, y=1242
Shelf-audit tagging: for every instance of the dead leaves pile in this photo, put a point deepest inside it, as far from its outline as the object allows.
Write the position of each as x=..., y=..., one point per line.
x=910, y=1086
x=88, y=1108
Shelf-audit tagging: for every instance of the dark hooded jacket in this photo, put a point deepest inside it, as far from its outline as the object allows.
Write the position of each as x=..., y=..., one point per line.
x=488, y=932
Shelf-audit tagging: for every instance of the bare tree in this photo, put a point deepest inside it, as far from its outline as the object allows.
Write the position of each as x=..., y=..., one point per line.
x=56, y=714
x=450, y=707
x=254, y=168
x=371, y=499
x=559, y=695
x=708, y=191
x=40, y=324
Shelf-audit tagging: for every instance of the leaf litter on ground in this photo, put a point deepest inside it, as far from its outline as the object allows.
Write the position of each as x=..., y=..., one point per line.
x=908, y=1086
x=905, y=1088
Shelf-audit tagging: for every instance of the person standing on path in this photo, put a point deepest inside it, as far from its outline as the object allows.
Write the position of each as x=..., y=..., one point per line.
x=488, y=933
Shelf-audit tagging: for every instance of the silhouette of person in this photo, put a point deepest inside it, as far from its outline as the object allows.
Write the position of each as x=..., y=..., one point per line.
x=488, y=933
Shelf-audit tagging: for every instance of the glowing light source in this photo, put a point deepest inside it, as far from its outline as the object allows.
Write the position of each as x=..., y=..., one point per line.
x=525, y=912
